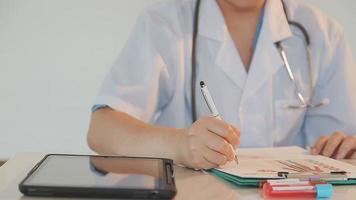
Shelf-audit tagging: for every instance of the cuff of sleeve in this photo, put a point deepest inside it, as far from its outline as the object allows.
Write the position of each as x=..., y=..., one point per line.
x=98, y=107
x=120, y=105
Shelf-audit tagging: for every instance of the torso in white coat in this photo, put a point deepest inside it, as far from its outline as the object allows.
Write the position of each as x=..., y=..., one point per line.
x=151, y=78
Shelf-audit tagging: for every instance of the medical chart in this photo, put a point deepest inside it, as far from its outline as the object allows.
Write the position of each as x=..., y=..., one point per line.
x=252, y=165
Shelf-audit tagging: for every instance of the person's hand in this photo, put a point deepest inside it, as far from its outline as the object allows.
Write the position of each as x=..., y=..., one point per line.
x=208, y=143
x=338, y=145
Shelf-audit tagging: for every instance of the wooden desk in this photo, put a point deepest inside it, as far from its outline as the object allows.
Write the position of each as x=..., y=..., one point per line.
x=190, y=184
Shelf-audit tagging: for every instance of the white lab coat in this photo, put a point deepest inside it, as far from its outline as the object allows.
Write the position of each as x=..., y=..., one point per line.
x=151, y=78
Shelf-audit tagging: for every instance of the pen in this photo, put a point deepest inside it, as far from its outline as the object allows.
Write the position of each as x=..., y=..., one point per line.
x=214, y=111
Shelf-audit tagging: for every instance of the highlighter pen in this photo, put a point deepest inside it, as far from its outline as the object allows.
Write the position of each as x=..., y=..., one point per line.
x=214, y=111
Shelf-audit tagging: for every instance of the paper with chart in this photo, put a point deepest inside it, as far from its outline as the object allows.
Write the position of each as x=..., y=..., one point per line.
x=269, y=166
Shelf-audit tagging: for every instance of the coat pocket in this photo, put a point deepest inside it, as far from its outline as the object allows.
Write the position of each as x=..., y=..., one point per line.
x=288, y=121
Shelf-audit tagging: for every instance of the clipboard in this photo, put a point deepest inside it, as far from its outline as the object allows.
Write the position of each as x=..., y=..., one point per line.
x=236, y=180
x=252, y=170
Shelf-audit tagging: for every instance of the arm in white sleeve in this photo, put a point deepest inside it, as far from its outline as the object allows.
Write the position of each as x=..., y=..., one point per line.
x=337, y=82
x=139, y=83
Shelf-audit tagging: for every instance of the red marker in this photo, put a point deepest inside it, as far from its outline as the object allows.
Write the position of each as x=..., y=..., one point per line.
x=296, y=188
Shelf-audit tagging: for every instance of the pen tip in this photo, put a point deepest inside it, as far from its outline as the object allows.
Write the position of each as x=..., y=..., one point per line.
x=202, y=84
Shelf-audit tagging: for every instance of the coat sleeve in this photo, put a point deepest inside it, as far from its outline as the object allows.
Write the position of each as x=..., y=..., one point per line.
x=337, y=83
x=139, y=83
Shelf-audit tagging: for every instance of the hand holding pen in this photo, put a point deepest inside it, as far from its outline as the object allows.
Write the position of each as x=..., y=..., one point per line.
x=208, y=143
x=214, y=111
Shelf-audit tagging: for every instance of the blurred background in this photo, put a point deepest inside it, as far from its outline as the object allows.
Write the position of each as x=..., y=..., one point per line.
x=53, y=57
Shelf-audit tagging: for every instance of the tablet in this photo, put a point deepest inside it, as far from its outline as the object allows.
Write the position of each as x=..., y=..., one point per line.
x=61, y=175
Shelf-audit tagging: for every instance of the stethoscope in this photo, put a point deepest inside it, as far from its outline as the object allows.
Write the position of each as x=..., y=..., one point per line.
x=303, y=102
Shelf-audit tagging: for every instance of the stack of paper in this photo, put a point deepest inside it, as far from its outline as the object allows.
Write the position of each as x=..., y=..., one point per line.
x=256, y=165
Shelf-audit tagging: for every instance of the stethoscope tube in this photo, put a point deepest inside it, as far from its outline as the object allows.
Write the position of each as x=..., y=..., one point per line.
x=194, y=60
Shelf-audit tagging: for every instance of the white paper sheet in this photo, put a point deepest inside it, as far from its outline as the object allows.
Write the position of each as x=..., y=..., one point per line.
x=266, y=163
x=275, y=152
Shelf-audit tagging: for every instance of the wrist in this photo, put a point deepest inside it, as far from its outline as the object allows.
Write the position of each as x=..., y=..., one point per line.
x=181, y=146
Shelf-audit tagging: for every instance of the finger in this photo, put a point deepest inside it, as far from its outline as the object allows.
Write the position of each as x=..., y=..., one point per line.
x=220, y=145
x=206, y=164
x=352, y=155
x=222, y=129
x=214, y=157
x=346, y=148
x=237, y=131
x=199, y=162
x=319, y=145
x=332, y=144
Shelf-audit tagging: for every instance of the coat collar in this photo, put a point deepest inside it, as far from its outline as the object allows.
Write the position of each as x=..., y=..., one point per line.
x=275, y=21
x=212, y=23
x=266, y=60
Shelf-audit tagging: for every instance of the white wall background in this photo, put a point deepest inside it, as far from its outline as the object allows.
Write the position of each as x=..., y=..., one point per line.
x=53, y=57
